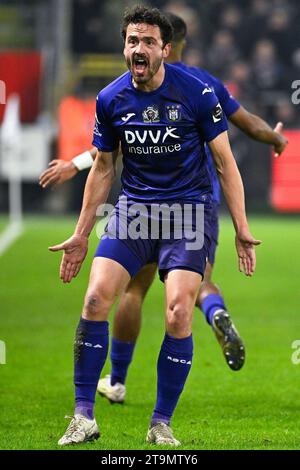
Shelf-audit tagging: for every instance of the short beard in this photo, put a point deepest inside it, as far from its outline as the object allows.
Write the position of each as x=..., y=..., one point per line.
x=151, y=70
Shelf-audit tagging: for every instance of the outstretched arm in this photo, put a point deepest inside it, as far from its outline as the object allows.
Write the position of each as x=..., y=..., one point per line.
x=258, y=129
x=233, y=189
x=60, y=171
x=96, y=191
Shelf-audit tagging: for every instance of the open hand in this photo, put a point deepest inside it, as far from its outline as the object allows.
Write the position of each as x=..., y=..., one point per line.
x=75, y=250
x=245, y=247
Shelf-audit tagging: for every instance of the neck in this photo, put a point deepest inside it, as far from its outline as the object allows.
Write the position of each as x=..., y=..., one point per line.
x=175, y=53
x=155, y=82
x=174, y=57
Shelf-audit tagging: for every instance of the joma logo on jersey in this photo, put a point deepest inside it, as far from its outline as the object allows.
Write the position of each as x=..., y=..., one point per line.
x=180, y=361
x=155, y=136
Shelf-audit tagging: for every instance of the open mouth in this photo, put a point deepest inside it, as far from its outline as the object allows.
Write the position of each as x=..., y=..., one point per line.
x=140, y=65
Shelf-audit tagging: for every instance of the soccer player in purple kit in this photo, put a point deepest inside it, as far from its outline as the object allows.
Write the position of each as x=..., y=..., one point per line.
x=164, y=161
x=127, y=321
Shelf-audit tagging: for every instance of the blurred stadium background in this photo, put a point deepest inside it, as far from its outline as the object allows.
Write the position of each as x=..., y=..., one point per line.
x=55, y=56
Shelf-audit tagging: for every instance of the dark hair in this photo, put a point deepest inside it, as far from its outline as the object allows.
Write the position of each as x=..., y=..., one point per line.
x=178, y=25
x=141, y=14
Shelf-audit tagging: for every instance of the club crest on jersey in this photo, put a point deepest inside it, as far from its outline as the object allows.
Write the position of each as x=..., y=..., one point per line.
x=173, y=112
x=151, y=114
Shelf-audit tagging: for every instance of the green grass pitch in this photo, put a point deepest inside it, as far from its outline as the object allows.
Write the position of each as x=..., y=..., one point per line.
x=256, y=408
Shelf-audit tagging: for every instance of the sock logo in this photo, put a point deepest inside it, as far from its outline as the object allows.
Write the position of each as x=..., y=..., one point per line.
x=181, y=361
x=88, y=345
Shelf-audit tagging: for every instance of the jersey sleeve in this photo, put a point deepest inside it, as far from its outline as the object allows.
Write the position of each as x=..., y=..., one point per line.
x=229, y=104
x=210, y=116
x=105, y=137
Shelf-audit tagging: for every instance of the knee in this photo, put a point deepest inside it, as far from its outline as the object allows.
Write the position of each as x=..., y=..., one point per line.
x=179, y=319
x=97, y=303
x=92, y=304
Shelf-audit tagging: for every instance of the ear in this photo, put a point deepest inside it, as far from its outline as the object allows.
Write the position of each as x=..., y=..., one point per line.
x=166, y=50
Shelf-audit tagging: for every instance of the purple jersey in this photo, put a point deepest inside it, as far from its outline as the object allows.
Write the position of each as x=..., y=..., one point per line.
x=229, y=105
x=162, y=135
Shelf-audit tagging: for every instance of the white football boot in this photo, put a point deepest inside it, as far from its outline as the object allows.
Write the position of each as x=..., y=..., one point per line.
x=162, y=434
x=114, y=393
x=80, y=429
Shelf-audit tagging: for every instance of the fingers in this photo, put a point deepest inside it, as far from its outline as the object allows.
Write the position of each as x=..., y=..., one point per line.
x=245, y=266
x=50, y=182
x=247, y=241
x=48, y=178
x=278, y=151
x=66, y=275
x=68, y=270
x=279, y=127
x=77, y=270
x=53, y=163
x=247, y=261
x=251, y=262
x=59, y=247
x=240, y=264
x=279, y=148
x=44, y=176
x=255, y=242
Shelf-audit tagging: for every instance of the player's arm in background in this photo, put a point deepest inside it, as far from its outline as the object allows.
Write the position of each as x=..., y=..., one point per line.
x=249, y=123
x=213, y=126
x=258, y=129
x=60, y=171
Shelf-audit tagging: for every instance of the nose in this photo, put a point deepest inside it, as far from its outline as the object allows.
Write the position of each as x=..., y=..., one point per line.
x=139, y=48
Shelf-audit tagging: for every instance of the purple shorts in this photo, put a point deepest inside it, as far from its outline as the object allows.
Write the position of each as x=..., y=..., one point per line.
x=137, y=235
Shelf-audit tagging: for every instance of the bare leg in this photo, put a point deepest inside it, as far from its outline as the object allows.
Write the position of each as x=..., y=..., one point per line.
x=181, y=292
x=101, y=294
x=207, y=286
x=127, y=321
x=127, y=324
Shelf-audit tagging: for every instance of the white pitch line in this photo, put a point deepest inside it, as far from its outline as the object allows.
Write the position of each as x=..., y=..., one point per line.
x=9, y=236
